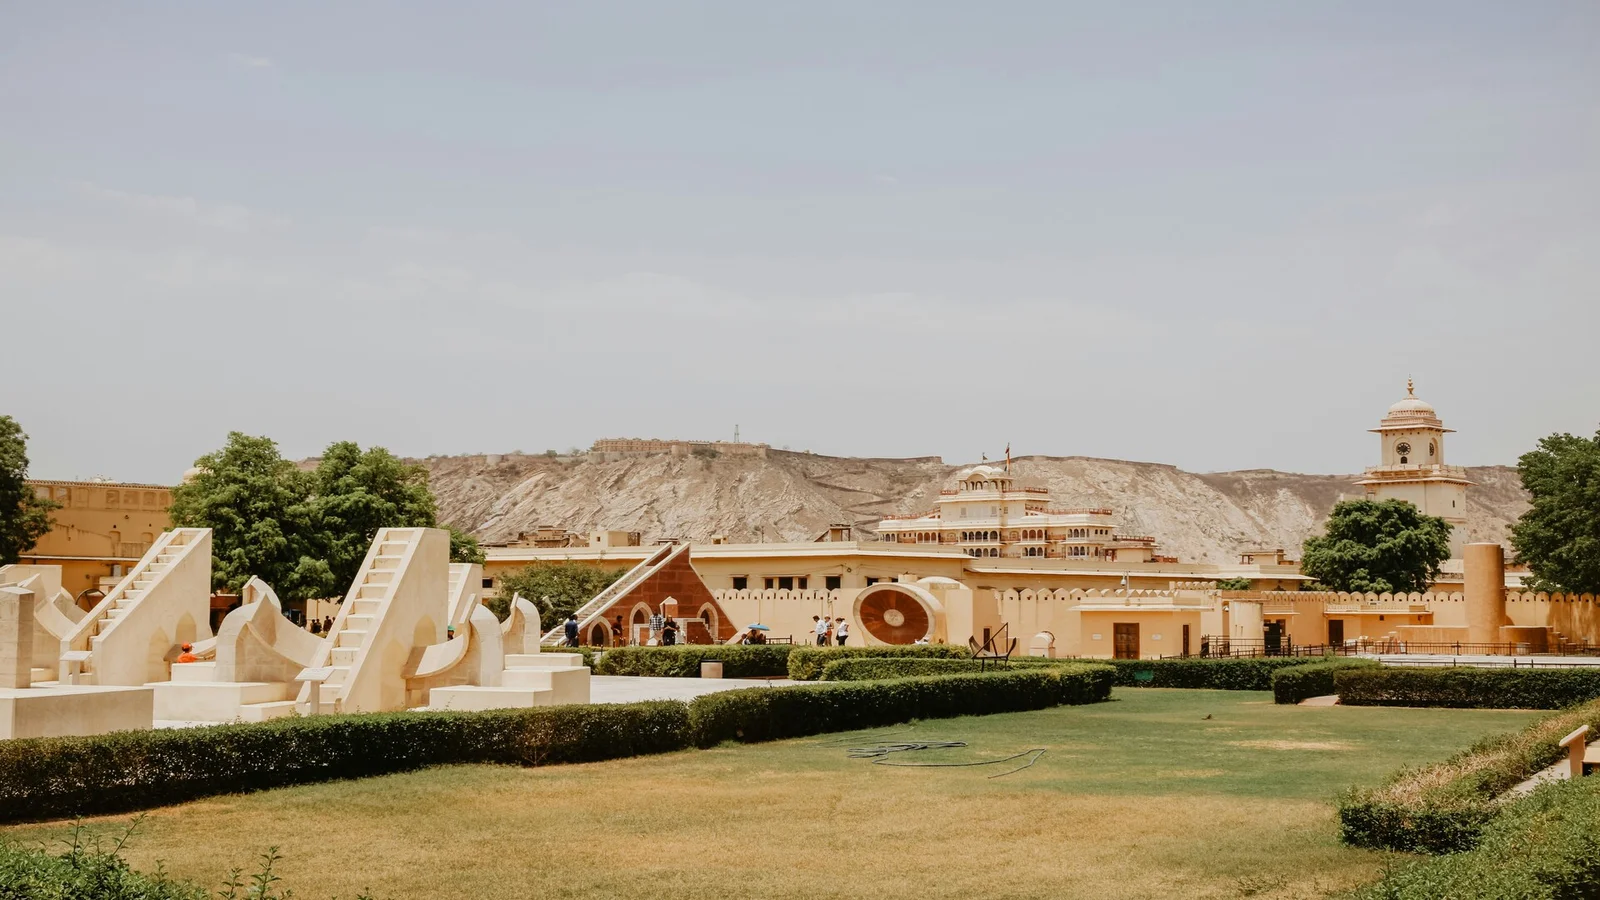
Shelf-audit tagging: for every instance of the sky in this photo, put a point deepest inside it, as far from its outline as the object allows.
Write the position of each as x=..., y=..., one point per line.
x=1215, y=235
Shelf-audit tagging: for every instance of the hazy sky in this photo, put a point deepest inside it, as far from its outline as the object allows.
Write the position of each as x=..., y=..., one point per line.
x=1218, y=235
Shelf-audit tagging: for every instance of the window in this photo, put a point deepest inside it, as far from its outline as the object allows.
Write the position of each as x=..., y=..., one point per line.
x=769, y=583
x=871, y=581
x=801, y=582
x=488, y=582
x=741, y=582
x=785, y=582
x=832, y=582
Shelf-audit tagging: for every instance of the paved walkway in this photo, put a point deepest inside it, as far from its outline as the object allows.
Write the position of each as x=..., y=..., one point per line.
x=630, y=689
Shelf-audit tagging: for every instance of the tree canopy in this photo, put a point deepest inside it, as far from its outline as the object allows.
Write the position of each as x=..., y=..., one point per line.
x=1377, y=545
x=24, y=515
x=558, y=588
x=304, y=532
x=1559, y=536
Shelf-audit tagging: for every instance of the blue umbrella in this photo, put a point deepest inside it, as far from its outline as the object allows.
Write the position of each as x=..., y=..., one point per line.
x=757, y=627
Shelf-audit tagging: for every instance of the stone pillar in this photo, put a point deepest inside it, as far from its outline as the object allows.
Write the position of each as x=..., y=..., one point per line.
x=1485, y=592
x=16, y=637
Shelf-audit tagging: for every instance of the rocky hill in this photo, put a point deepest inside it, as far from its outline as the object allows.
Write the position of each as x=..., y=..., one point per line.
x=795, y=496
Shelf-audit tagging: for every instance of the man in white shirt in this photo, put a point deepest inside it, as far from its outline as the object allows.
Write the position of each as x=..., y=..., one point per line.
x=822, y=631
x=841, y=633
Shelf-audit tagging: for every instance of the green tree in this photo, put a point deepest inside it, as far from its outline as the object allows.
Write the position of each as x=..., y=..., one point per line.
x=305, y=533
x=1233, y=584
x=24, y=515
x=1559, y=536
x=1381, y=546
x=558, y=588
x=355, y=493
x=464, y=547
x=258, y=507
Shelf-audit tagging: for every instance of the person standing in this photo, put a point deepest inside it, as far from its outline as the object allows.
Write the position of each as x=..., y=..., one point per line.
x=669, y=634
x=572, y=630
x=822, y=631
x=842, y=632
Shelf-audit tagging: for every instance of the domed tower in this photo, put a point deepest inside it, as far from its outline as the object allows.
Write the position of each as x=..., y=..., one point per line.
x=1413, y=469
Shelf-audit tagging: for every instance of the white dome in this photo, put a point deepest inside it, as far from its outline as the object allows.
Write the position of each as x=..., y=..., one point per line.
x=983, y=471
x=1411, y=406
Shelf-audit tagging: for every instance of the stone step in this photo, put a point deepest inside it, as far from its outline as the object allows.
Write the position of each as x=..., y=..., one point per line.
x=194, y=672
x=358, y=622
x=346, y=637
x=372, y=591
x=543, y=660
x=534, y=679
x=360, y=607
x=468, y=697
x=345, y=656
x=262, y=712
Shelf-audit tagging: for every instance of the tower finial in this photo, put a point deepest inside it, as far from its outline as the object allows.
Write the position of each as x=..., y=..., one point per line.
x=1411, y=387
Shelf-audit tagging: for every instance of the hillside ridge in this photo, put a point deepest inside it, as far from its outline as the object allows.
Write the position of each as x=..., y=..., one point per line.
x=794, y=496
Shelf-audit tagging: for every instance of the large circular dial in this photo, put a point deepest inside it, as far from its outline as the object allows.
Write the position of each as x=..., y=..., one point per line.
x=1402, y=448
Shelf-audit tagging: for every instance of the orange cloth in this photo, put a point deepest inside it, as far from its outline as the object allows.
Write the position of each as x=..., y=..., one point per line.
x=188, y=657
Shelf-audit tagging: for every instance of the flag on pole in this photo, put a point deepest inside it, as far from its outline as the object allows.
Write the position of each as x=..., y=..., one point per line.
x=1008, y=456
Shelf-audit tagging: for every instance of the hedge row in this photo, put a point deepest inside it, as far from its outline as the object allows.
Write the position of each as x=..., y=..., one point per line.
x=1242, y=674
x=738, y=661
x=1469, y=688
x=55, y=777
x=1543, y=847
x=872, y=669
x=1297, y=683
x=805, y=663
x=766, y=714
x=48, y=777
x=1444, y=807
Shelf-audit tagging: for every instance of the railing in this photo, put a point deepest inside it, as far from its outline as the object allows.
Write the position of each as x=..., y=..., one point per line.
x=1215, y=647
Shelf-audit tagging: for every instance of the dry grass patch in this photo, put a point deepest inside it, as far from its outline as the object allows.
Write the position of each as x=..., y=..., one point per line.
x=1132, y=799
x=1293, y=745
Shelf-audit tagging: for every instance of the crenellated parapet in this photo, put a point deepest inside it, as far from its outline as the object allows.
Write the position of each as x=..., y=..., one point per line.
x=795, y=596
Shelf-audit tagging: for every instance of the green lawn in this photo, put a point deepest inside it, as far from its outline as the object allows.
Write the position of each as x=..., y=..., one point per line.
x=1140, y=797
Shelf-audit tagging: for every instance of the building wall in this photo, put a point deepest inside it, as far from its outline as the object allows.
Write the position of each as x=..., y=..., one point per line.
x=100, y=526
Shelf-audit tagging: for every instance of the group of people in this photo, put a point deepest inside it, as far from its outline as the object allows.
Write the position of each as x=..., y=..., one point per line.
x=324, y=626
x=831, y=631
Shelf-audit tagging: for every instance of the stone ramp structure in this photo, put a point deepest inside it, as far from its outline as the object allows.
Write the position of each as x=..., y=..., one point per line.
x=247, y=672
x=134, y=633
x=664, y=583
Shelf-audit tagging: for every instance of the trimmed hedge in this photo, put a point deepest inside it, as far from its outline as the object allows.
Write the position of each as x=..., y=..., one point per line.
x=1443, y=808
x=1240, y=674
x=1298, y=683
x=1543, y=847
x=871, y=669
x=56, y=777
x=587, y=653
x=738, y=660
x=767, y=714
x=1469, y=688
x=805, y=663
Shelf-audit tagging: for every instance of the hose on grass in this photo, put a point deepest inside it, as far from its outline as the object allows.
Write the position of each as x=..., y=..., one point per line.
x=880, y=755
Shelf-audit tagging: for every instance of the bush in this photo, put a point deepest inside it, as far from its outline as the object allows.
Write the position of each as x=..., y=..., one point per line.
x=1243, y=674
x=54, y=777
x=83, y=873
x=1296, y=683
x=805, y=663
x=1543, y=847
x=1444, y=807
x=767, y=714
x=1467, y=688
x=738, y=661
x=874, y=669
